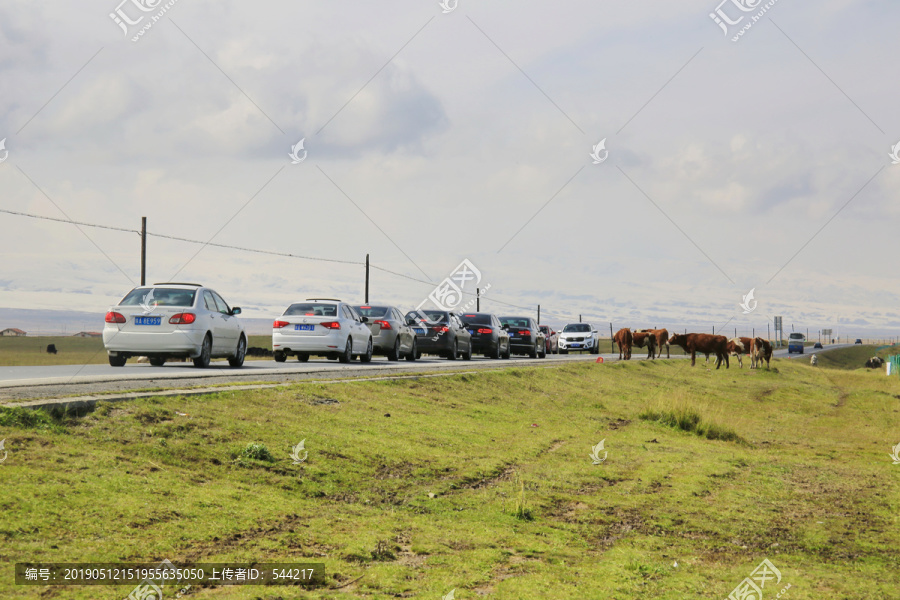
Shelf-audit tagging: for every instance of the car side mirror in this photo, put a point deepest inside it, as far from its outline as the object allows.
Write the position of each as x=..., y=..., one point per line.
x=505, y=326
x=236, y=310
x=364, y=319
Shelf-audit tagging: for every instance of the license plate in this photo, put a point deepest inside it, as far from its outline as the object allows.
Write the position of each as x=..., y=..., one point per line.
x=147, y=320
x=575, y=345
x=304, y=327
x=419, y=330
x=472, y=331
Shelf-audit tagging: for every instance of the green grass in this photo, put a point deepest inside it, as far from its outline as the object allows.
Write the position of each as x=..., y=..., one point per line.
x=480, y=482
x=853, y=357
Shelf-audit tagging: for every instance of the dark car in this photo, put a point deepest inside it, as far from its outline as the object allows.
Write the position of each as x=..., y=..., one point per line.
x=391, y=335
x=858, y=341
x=488, y=336
x=817, y=345
x=524, y=336
x=440, y=332
x=552, y=338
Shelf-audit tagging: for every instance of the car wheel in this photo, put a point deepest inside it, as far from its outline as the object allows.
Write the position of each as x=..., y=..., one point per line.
x=533, y=353
x=508, y=352
x=395, y=353
x=202, y=361
x=595, y=349
x=303, y=357
x=496, y=353
x=279, y=356
x=239, y=353
x=157, y=362
x=453, y=351
x=543, y=353
x=117, y=361
x=468, y=354
x=347, y=355
x=413, y=353
x=367, y=357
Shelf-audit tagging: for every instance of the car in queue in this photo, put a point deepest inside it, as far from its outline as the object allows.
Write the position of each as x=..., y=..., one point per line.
x=391, y=335
x=440, y=332
x=579, y=336
x=525, y=337
x=552, y=338
x=321, y=327
x=488, y=336
x=174, y=320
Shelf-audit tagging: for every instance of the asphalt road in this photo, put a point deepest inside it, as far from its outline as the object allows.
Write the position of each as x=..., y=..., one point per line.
x=23, y=383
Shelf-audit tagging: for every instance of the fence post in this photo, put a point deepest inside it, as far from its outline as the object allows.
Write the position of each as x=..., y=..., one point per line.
x=612, y=343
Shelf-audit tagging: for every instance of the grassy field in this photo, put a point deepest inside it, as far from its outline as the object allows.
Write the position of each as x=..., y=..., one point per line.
x=480, y=483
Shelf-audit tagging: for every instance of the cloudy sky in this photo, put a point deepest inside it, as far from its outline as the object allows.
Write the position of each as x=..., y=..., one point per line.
x=431, y=137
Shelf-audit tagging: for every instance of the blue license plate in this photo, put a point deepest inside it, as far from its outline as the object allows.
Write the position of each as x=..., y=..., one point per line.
x=575, y=345
x=147, y=320
x=419, y=330
x=304, y=327
x=472, y=331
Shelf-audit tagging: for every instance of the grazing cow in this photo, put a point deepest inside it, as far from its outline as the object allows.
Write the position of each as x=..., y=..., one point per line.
x=705, y=344
x=641, y=339
x=767, y=346
x=814, y=360
x=623, y=339
x=875, y=363
x=51, y=349
x=662, y=339
x=757, y=353
x=736, y=348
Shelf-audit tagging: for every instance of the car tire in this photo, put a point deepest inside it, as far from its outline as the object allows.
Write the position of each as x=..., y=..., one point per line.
x=508, y=352
x=533, y=353
x=468, y=354
x=347, y=355
x=303, y=357
x=413, y=352
x=240, y=352
x=595, y=349
x=202, y=361
x=367, y=357
x=496, y=353
x=157, y=362
x=117, y=361
x=454, y=351
x=279, y=356
x=543, y=352
x=395, y=353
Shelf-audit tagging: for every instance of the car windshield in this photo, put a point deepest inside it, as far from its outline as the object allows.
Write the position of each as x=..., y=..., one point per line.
x=577, y=328
x=545, y=328
x=514, y=321
x=477, y=319
x=159, y=297
x=311, y=309
x=432, y=316
x=796, y=336
x=373, y=312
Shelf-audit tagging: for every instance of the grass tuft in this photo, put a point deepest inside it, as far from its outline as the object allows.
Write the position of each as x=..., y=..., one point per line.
x=256, y=451
x=689, y=418
x=26, y=418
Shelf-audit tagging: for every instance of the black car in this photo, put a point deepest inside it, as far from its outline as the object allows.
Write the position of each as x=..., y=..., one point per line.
x=817, y=345
x=440, y=332
x=858, y=341
x=524, y=336
x=488, y=336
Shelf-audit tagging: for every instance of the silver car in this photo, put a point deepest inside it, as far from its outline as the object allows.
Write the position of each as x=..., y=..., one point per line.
x=321, y=327
x=391, y=335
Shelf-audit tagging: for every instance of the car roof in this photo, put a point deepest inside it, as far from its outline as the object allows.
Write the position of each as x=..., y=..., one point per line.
x=175, y=283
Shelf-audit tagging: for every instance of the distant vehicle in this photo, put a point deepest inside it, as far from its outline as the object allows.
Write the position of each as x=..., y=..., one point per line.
x=579, y=336
x=440, y=332
x=858, y=341
x=391, y=336
x=552, y=338
x=488, y=336
x=525, y=337
x=817, y=345
x=321, y=327
x=795, y=342
x=174, y=320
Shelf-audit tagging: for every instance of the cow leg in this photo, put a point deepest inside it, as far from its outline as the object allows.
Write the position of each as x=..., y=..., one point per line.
x=693, y=357
x=740, y=360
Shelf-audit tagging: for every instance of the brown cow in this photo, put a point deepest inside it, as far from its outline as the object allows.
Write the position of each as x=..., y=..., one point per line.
x=642, y=338
x=767, y=347
x=737, y=348
x=757, y=352
x=662, y=339
x=705, y=344
x=624, y=339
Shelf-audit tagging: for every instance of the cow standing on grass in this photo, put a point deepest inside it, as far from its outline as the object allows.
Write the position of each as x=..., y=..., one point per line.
x=642, y=339
x=624, y=339
x=758, y=353
x=737, y=349
x=662, y=339
x=703, y=343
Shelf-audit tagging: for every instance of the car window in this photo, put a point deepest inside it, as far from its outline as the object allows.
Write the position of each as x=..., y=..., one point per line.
x=209, y=301
x=160, y=297
x=223, y=306
x=312, y=309
x=373, y=312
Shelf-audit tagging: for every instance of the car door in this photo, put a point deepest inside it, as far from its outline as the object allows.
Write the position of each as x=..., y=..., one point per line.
x=231, y=326
x=216, y=324
x=358, y=330
x=405, y=332
x=464, y=338
x=502, y=334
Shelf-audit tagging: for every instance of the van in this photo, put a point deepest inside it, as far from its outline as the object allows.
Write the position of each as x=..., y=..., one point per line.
x=795, y=342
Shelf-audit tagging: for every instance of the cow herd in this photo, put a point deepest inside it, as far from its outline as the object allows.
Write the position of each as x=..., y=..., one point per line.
x=654, y=339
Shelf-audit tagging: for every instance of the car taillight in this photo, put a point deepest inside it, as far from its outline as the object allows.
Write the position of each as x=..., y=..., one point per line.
x=441, y=329
x=485, y=330
x=182, y=319
x=383, y=324
x=331, y=325
x=114, y=317
x=525, y=332
x=280, y=324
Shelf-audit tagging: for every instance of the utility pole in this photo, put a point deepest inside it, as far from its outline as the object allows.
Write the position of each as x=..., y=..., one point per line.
x=539, y=314
x=367, y=278
x=143, y=250
x=612, y=342
x=714, y=330
x=579, y=318
x=477, y=299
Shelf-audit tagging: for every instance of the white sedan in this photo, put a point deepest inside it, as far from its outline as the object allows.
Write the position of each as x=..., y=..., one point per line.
x=321, y=327
x=579, y=336
x=174, y=320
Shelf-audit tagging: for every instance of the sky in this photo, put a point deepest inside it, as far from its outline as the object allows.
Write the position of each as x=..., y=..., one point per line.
x=433, y=134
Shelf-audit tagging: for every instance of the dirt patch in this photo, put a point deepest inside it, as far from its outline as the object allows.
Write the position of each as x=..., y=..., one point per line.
x=500, y=473
x=619, y=423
